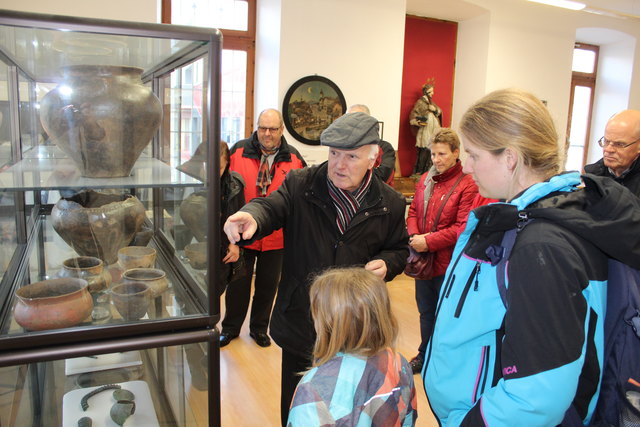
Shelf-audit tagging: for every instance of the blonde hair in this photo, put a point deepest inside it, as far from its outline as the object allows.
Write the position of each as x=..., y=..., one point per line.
x=516, y=119
x=351, y=313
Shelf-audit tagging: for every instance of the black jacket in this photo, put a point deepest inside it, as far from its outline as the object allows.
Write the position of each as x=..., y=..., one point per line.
x=312, y=243
x=631, y=180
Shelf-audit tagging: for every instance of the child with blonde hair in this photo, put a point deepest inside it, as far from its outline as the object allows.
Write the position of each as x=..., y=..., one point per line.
x=357, y=378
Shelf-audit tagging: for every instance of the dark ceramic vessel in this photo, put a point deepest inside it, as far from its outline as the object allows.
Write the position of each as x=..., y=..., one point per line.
x=131, y=299
x=193, y=211
x=88, y=268
x=102, y=117
x=98, y=224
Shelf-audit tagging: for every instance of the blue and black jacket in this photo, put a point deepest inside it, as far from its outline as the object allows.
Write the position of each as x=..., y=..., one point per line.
x=527, y=362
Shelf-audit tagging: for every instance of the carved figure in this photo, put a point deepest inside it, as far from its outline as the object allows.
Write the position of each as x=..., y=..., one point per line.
x=426, y=118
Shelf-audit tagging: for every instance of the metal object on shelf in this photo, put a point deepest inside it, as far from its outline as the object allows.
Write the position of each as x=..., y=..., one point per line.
x=84, y=402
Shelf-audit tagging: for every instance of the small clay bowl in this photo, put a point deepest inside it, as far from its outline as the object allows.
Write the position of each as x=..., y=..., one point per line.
x=131, y=299
x=136, y=257
x=155, y=278
x=196, y=254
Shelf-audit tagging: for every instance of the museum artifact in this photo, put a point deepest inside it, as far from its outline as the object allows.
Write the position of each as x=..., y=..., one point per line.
x=154, y=278
x=102, y=117
x=53, y=304
x=425, y=119
x=121, y=410
x=98, y=224
x=196, y=254
x=84, y=402
x=193, y=211
x=131, y=299
x=88, y=268
x=136, y=257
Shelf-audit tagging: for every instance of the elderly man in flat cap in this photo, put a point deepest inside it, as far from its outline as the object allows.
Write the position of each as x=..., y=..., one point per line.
x=337, y=213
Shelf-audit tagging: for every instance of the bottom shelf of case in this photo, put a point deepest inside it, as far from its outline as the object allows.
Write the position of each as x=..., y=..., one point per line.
x=172, y=386
x=101, y=406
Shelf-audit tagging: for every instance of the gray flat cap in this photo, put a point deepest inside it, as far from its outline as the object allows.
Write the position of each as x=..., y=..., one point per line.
x=351, y=131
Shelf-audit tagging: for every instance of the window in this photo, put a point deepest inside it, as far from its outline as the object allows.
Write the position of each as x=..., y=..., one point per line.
x=236, y=20
x=583, y=83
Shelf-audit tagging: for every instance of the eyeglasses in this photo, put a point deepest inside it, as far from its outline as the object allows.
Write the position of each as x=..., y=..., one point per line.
x=603, y=142
x=264, y=129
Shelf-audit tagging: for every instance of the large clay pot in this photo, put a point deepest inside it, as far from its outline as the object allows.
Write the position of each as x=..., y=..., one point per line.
x=53, y=304
x=193, y=211
x=88, y=268
x=97, y=224
x=102, y=117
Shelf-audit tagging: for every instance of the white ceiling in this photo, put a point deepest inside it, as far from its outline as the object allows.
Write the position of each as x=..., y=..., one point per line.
x=460, y=10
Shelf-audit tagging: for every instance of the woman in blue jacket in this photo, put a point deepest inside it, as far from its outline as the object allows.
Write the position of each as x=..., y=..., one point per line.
x=532, y=354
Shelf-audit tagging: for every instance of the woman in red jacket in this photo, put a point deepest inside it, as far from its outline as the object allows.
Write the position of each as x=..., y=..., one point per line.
x=444, y=183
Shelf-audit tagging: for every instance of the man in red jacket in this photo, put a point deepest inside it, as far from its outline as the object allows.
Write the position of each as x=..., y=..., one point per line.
x=263, y=160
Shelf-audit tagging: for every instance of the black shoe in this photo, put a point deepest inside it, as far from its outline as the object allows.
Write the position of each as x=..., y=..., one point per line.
x=226, y=338
x=416, y=365
x=261, y=339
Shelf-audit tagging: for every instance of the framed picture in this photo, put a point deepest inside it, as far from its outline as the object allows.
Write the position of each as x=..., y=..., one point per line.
x=310, y=106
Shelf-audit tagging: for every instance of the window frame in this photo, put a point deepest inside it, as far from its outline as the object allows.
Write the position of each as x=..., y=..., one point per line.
x=236, y=40
x=585, y=80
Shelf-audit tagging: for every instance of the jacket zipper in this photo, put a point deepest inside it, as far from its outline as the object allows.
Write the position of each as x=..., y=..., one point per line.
x=482, y=374
x=467, y=286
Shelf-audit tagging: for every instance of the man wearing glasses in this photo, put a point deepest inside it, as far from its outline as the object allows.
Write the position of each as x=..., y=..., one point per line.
x=620, y=151
x=263, y=160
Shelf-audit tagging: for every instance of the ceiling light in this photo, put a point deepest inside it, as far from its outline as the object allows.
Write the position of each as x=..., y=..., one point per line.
x=567, y=4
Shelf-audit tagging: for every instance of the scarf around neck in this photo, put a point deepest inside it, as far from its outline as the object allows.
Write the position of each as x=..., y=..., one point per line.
x=347, y=203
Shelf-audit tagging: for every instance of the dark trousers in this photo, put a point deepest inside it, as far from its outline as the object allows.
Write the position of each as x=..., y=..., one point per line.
x=292, y=366
x=268, y=265
x=427, y=292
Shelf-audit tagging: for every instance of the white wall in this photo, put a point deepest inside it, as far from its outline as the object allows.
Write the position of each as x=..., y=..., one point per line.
x=124, y=10
x=357, y=44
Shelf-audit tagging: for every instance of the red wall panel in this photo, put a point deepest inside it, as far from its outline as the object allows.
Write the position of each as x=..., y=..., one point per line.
x=429, y=51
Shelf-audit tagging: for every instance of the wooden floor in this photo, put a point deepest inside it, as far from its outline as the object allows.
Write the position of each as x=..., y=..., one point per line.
x=250, y=375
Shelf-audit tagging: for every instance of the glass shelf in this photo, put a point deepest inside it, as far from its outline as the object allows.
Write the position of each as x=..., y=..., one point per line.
x=50, y=172
x=43, y=51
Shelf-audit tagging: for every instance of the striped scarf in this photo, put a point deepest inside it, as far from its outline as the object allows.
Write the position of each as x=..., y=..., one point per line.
x=264, y=176
x=346, y=203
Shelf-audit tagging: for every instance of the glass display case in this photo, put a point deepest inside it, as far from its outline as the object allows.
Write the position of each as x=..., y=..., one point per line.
x=109, y=222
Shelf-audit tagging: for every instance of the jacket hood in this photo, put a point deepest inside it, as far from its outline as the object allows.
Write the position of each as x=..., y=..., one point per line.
x=603, y=212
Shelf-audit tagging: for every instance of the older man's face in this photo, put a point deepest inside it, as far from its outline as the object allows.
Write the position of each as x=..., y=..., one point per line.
x=269, y=130
x=621, y=128
x=347, y=168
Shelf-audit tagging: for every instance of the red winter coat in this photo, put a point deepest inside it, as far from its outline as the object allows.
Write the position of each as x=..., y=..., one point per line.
x=454, y=215
x=245, y=159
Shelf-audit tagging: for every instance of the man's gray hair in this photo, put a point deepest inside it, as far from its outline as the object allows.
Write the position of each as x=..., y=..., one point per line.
x=359, y=107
